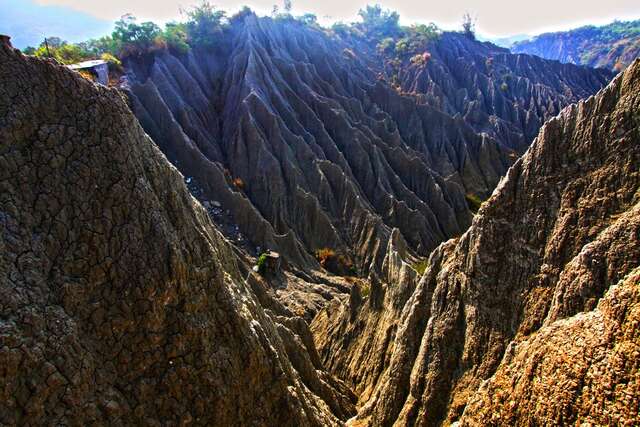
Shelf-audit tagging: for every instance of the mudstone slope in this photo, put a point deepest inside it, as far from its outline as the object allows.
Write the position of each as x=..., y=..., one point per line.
x=497, y=93
x=120, y=302
x=531, y=316
x=302, y=146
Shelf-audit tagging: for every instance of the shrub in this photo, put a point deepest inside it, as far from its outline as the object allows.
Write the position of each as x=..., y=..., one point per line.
x=110, y=59
x=378, y=23
x=204, y=25
x=474, y=202
x=63, y=52
x=420, y=266
x=402, y=46
x=238, y=183
x=426, y=32
x=175, y=35
x=387, y=45
x=365, y=290
x=322, y=255
x=339, y=264
x=262, y=263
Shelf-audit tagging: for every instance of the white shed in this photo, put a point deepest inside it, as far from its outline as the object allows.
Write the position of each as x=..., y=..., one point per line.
x=99, y=67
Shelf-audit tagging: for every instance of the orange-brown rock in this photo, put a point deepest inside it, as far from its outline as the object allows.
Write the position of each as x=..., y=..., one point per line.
x=530, y=317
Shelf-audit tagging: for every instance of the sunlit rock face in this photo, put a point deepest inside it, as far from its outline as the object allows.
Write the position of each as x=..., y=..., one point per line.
x=531, y=316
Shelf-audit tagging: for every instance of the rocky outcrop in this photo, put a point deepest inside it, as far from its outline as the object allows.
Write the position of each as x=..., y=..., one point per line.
x=120, y=302
x=319, y=164
x=305, y=148
x=588, y=362
x=503, y=95
x=537, y=270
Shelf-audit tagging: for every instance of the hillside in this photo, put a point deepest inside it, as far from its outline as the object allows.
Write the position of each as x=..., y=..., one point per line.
x=121, y=302
x=279, y=224
x=612, y=46
x=304, y=146
x=539, y=296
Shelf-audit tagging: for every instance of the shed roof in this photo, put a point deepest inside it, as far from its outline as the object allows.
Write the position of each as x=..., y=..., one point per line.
x=87, y=64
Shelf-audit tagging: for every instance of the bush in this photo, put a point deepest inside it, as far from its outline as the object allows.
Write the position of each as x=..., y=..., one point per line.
x=420, y=266
x=365, y=290
x=204, y=26
x=378, y=23
x=387, y=45
x=238, y=183
x=63, y=52
x=175, y=35
x=335, y=263
x=474, y=202
x=262, y=263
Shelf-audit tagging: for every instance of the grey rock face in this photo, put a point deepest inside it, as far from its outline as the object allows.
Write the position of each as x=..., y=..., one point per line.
x=120, y=302
x=537, y=264
x=329, y=156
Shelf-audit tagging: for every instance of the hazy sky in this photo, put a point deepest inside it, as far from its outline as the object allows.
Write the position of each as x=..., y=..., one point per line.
x=495, y=17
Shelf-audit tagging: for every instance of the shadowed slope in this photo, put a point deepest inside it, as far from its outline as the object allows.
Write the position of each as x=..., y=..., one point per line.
x=306, y=148
x=120, y=301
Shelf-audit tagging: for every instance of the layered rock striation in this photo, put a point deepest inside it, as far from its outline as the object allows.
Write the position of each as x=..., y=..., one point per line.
x=305, y=148
x=497, y=93
x=120, y=302
x=531, y=315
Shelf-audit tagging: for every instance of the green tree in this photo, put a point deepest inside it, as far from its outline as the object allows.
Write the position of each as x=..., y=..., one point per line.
x=131, y=38
x=103, y=45
x=469, y=26
x=204, y=26
x=175, y=35
x=54, y=42
x=378, y=22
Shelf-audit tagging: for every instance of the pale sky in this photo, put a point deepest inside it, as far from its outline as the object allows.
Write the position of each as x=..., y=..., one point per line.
x=495, y=17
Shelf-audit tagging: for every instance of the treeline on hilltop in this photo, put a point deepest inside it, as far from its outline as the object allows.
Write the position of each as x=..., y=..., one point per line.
x=612, y=46
x=204, y=26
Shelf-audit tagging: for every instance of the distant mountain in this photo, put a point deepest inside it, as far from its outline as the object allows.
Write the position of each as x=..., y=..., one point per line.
x=612, y=46
x=505, y=41
x=29, y=23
